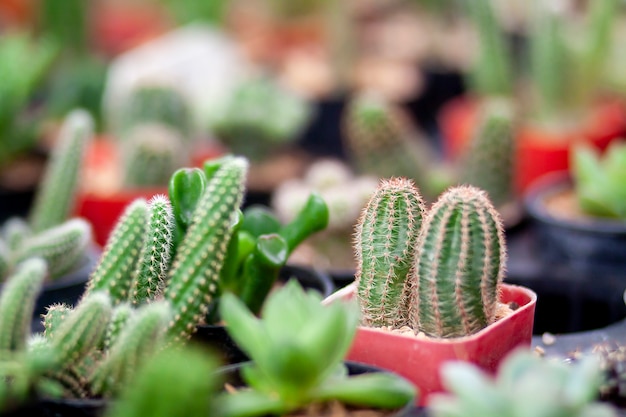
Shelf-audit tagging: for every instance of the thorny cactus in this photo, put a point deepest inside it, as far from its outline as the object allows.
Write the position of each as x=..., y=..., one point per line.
x=151, y=153
x=459, y=265
x=260, y=117
x=62, y=247
x=441, y=278
x=488, y=162
x=381, y=141
x=55, y=198
x=48, y=232
x=154, y=103
x=193, y=278
x=386, y=237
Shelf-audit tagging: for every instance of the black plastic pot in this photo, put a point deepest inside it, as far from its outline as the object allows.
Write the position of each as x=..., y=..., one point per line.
x=217, y=339
x=586, y=244
x=60, y=408
x=232, y=376
x=569, y=299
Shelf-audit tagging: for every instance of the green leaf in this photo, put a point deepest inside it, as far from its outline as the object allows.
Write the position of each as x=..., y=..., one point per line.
x=260, y=220
x=377, y=390
x=249, y=404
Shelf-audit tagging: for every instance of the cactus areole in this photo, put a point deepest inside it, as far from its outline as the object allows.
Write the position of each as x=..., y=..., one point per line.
x=429, y=284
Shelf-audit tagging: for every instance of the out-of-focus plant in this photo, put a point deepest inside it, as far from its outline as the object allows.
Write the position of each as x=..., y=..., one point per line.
x=297, y=348
x=600, y=180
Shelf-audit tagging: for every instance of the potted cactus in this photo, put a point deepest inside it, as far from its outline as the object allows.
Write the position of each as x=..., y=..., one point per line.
x=148, y=139
x=296, y=348
x=48, y=232
x=429, y=284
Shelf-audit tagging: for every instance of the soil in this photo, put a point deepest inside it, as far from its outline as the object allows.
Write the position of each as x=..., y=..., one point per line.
x=563, y=205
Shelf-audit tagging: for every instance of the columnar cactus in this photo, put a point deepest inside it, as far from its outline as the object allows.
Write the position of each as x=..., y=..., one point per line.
x=459, y=265
x=152, y=152
x=381, y=141
x=118, y=261
x=193, y=279
x=489, y=161
x=140, y=337
x=154, y=258
x=441, y=278
x=386, y=236
x=55, y=199
x=17, y=302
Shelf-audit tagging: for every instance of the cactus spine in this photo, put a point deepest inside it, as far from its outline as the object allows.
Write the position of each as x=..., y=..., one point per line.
x=194, y=275
x=121, y=253
x=55, y=315
x=489, y=161
x=386, y=236
x=459, y=265
x=55, y=198
x=17, y=302
x=154, y=259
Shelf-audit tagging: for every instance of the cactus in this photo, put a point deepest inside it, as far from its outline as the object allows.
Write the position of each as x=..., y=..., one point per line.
x=17, y=303
x=154, y=103
x=259, y=117
x=489, y=161
x=185, y=188
x=55, y=198
x=55, y=315
x=142, y=335
x=386, y=237
x=441, y=277
x=381, y=141
x=459, y=265
x=154, y=258
x=193, y=278
x=151, y=153
x=114, y=270
x=120, y=316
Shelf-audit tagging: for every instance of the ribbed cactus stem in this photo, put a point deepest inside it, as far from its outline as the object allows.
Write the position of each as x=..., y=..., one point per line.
x=194, y=275
x=114, y=271
x=154, y=259
x=386, y=237
x=152, y=152
x=5, y=260
x=55, y=315
x=83, y=330
x=489, y=161
x=119, y=318
x=381, y=141
x=142, y=336
x=56, y=196
x=15, y=231
x=17, y=302
x=62, y=246
x=459, y=265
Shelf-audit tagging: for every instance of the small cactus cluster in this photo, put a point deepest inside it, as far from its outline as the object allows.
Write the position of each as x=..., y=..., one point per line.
x=488, y=162
x=382, y=141
x=77, y=356
x=48, y=232
x=437, y=271
x=154, y=134
x=259, y=118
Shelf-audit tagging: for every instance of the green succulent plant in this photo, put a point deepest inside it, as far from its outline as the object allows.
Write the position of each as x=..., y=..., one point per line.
x=297, y=347
x=24, y=63
x=49, y=231
x=525, y=385
x=260, y=117
x=437, y=271
x=599, y=180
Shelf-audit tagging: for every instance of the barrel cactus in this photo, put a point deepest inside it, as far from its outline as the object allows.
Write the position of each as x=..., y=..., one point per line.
x=436, y=271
